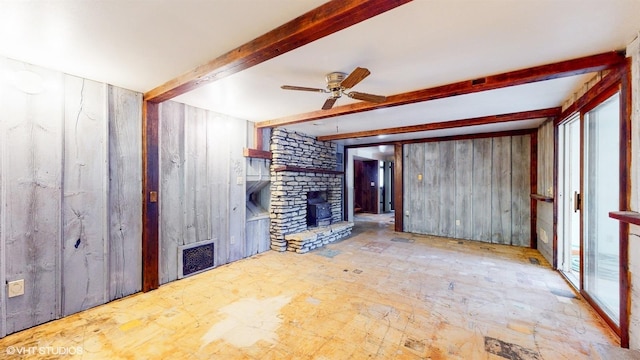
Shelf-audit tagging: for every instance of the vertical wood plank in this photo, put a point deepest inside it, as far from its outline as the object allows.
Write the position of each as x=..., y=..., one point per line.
x=33, y=189
x=501, y=191
x=463, y=188
x=84, y=205
x=414, y=194
x=431, y=188
x=520, y=190
x=236, y=207
x=220, y=170
x=533, y=179
x=398, y=187
x=172, y=187
x=447, y=173
x=481, y=199
x=125, y=189
x=198, y=194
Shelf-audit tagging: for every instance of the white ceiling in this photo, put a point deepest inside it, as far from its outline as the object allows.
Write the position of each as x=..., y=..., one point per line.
x=140, y=45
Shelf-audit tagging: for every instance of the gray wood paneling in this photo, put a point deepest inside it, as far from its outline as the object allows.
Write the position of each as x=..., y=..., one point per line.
x=198, y=193
x=545, y=158
x=236, y=205
x=481, y=199
x=447, y=175
x=125, y=189
x=84, y=202
x=32, y=168
x=463, y=188
x=172, y=188
x=520, y=190
x=471, y=189
x=70, y=211
x=220, y=164
x=544, y=224
x=431, y=188
x=202, y=185
x=414, y=188
x=501, y=191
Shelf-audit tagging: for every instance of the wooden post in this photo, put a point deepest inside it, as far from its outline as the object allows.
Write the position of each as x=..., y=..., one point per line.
x=150, y=186
x=534, y=190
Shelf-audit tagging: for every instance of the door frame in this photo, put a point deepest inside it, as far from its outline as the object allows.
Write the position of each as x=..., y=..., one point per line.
x=617, y=80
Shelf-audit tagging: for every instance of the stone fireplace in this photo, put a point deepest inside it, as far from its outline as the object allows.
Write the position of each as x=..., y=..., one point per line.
x=303, y=173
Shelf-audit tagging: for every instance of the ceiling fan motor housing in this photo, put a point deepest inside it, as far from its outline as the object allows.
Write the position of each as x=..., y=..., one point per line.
x=333, y=81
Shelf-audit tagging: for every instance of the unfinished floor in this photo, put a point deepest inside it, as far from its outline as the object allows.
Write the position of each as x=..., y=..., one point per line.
x=376, y=295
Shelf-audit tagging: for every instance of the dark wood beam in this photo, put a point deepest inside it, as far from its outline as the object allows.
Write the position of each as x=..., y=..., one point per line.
x=519, y=77
x=150, y=186
x=484, y=120
x=324, y=20
x=449, y=138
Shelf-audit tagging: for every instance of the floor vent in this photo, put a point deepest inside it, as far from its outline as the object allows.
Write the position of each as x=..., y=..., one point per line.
x=195, y=258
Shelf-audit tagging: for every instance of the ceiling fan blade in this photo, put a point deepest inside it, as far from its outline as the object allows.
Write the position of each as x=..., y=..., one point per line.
x=355, y=77
x=367, y=97
x=302, y=88
x=329, y=103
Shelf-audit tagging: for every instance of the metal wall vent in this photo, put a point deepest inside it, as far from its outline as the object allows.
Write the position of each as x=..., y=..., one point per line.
x=195, y=258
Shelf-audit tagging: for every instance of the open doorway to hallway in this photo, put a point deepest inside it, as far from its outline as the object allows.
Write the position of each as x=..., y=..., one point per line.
x=369, y=175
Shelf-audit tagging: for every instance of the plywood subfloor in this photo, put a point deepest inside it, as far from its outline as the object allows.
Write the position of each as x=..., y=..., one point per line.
x=376, y=295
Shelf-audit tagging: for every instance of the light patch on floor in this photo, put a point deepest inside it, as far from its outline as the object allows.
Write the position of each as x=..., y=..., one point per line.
x=248, y=321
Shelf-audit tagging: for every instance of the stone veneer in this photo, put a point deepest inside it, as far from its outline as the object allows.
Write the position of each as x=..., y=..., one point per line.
x=300, y=164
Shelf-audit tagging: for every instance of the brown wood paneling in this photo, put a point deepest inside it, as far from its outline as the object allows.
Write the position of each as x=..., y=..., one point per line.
x=324, y=20
x=150, y=186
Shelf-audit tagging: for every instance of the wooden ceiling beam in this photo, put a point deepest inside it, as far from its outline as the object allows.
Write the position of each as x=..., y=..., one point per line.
x=519, y=77
x=484, y=120
x=324, y=20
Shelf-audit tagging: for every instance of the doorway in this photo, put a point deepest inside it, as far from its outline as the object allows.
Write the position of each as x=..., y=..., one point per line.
x=589, y=188
x=569, y=192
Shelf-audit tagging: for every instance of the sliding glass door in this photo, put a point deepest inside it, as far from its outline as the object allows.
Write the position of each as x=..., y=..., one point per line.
x=569, y=192
x=601, y=184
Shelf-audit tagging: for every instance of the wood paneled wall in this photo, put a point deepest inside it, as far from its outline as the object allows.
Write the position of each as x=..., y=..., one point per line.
x=202, y=192
x=544, y=218
x=469, y=189
x=70, y=211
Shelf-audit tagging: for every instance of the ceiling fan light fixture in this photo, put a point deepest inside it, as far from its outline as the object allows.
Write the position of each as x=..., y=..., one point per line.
x=337, y=84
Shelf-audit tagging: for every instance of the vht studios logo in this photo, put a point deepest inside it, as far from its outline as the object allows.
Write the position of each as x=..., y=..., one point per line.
x=44, y=350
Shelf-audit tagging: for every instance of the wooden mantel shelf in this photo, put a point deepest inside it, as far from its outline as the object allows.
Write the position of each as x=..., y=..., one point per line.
x=630, y=217
x=259, y=154
x=307, y=170
x=542, y=198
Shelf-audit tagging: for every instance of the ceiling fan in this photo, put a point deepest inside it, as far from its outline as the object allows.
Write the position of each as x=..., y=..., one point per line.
x=338, y=83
